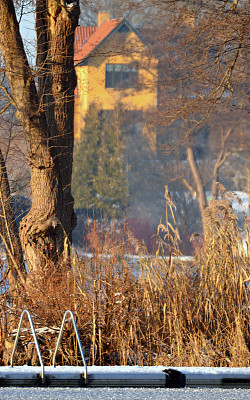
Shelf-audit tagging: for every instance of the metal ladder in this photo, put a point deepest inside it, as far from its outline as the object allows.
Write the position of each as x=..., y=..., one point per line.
x=85, y=376
x=78, y=341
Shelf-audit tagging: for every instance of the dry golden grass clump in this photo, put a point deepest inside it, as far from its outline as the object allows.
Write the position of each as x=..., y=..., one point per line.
x=151, y=310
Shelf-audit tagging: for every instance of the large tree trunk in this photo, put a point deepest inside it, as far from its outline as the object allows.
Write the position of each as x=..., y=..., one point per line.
x=46, y=115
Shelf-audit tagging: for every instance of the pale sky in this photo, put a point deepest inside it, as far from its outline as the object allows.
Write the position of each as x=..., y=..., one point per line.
x=27, y=29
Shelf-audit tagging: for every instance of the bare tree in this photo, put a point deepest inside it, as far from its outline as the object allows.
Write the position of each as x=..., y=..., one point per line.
x=138, y=12
x=44, y=100
x=203, y=57
x=9, y=231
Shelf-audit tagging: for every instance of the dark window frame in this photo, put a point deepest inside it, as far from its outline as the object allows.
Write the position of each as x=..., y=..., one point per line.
x=121, y=76
x=124, y=29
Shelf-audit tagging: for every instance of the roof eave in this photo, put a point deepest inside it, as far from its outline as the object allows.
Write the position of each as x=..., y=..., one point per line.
x=116, y=28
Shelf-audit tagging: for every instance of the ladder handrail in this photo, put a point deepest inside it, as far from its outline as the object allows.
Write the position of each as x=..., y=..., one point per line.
x=35, y=340
x=78, y=341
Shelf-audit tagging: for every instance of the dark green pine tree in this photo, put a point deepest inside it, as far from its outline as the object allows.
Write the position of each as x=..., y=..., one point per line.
x=111, y=182
x=99, y=179
x=85, y=164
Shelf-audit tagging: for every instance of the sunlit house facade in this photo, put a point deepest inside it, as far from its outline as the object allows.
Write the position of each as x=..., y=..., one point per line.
x=113, y=66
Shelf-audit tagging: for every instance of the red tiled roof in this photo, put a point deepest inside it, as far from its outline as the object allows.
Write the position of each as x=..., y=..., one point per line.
x=97, y=36
x=82, y=34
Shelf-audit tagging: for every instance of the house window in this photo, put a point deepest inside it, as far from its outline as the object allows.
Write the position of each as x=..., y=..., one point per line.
x=121, y=76
x=123, y=29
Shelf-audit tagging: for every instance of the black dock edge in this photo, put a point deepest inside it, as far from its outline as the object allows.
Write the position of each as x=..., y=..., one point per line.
x=2, y=382
x=236, y=382
x=175, y=379
x=42, y=382
x=48, y=381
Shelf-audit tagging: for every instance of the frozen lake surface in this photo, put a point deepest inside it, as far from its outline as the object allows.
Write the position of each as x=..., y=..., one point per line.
x=15, y=393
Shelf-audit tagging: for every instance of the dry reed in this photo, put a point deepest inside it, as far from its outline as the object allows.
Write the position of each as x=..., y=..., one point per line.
x=153, y=310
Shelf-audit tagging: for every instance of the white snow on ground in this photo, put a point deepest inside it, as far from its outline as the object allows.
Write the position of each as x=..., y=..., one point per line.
x=59, y=370
x=122, y=394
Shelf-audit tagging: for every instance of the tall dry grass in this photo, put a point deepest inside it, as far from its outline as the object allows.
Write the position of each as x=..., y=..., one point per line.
x=155, y=310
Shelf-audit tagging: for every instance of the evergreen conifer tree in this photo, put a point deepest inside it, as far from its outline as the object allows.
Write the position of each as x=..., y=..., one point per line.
x=85, y=164
x=99, y=178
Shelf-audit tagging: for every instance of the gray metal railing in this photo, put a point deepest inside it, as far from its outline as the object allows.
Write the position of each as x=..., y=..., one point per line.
x=78, y=341
x=35, y=340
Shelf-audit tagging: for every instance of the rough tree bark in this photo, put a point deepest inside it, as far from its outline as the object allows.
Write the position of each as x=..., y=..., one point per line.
x=45, y=111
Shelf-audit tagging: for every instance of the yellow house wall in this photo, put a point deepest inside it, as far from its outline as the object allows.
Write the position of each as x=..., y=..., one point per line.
x=91, y=79
x=81, y=99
